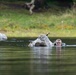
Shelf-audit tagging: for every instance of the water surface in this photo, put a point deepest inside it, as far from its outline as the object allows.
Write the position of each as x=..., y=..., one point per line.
x=16, y=58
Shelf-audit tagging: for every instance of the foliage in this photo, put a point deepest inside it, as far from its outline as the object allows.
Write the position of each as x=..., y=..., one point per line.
x=18, y=22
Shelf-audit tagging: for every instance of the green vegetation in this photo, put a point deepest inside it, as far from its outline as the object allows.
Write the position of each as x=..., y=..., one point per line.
x=17, y=22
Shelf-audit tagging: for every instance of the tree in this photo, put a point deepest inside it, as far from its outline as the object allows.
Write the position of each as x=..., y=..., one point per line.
x=65, y=3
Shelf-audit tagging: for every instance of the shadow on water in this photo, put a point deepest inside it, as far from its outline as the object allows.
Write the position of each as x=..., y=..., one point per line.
x=16, y=58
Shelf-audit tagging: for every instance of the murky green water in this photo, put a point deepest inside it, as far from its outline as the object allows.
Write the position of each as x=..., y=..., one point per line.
x=18, y=59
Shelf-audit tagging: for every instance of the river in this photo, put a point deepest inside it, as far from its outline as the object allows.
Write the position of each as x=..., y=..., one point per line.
x=16, y=58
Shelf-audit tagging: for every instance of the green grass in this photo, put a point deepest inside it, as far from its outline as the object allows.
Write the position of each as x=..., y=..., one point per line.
x=19, y=23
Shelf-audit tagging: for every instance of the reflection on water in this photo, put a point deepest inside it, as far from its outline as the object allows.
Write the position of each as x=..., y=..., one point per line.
x=54, y=61
x=22, y=60
x=41, y=52
x=58, y=52
x=40, y=60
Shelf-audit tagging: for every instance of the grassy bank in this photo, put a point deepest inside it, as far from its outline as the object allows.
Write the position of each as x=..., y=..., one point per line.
x=17, y=22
